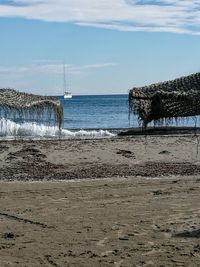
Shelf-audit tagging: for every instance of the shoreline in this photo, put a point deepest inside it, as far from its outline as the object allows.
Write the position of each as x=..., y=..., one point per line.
x=108, y=133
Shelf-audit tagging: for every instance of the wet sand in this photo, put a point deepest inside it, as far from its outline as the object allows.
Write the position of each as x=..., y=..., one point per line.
x=130, y=201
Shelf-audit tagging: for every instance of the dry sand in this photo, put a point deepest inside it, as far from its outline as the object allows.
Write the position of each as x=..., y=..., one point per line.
x=146, y=213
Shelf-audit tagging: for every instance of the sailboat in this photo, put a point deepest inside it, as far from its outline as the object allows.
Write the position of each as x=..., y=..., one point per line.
x=67, y=94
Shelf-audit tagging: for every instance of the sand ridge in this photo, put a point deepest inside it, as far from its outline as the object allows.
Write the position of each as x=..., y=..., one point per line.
x=117, y=157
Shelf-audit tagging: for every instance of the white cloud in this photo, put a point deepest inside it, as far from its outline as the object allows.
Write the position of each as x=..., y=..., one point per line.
x=46, y=77
x=47, y=67
x=177, y=16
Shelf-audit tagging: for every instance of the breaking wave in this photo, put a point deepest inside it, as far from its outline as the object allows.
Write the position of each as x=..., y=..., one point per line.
x=11, y=130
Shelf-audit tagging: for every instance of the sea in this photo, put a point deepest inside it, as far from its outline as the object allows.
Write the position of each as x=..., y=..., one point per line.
x=96, y=112
x=85, y=116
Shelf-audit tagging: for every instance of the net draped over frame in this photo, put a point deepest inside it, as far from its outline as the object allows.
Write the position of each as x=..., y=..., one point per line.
x=165, y=101
x=14, y=104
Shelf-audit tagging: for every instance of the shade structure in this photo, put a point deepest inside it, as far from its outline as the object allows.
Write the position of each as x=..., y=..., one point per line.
x=166, y=101
x=14, y=104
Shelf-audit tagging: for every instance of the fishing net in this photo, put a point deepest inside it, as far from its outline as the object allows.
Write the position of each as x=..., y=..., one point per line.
x=166, y=101
x=18, y=105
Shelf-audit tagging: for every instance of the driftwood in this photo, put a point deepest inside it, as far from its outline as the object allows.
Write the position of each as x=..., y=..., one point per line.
x=166, y=101
x=17, y=105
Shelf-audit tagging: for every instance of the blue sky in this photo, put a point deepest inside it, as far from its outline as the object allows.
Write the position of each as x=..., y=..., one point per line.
x=108, y=46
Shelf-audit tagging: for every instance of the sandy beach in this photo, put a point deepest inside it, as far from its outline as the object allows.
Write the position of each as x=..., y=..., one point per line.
x=131, y=201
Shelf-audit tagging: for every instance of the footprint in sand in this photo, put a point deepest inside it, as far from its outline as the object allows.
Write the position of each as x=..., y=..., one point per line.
x=164, y=152
x=126, y=153
x=118, y=264
x=102, y=242
x=122, y=236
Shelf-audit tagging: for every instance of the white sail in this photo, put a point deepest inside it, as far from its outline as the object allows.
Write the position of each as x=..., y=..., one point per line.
x=67, y=94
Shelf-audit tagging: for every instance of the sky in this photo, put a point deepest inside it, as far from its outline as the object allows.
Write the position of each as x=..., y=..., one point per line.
x=107, y=46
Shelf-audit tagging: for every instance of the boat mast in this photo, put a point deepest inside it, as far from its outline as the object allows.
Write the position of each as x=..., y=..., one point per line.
x=64, y=78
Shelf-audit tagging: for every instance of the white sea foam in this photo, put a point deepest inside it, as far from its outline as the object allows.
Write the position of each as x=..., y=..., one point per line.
x=10, y=130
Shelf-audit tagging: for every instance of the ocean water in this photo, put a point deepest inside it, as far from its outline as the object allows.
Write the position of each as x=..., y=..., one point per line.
x=84, y=117
x=106, y=112
x=96, y=112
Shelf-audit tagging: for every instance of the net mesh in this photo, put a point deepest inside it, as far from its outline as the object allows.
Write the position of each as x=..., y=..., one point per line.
x=14, y=104
x=163, y=102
